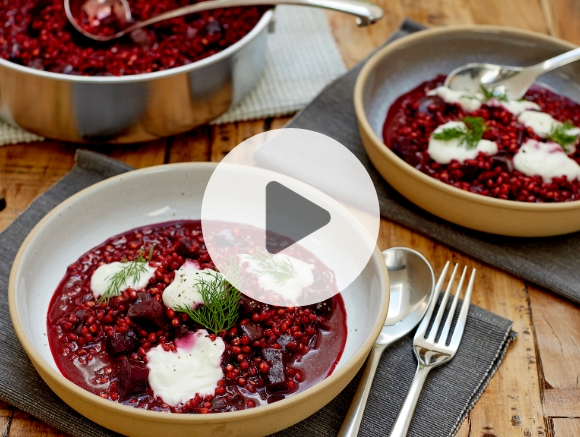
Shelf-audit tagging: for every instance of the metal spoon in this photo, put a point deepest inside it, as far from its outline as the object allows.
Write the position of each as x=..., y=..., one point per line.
x=412, y=285
x=117, y=13
x=513, y=81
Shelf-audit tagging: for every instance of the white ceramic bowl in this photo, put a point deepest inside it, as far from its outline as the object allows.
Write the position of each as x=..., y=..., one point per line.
x=148, y=196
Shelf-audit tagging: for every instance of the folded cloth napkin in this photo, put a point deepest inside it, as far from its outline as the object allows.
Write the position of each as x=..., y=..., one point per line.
x=448, y=395
x=302, y=59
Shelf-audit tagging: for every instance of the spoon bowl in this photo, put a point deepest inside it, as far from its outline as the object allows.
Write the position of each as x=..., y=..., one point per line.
x=107, y=20
x=514, y=82
x=412, y=284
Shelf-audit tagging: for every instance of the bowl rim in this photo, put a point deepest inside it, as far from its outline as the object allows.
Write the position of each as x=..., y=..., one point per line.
x=182, y=419
x=387, y=153
x=131, y=78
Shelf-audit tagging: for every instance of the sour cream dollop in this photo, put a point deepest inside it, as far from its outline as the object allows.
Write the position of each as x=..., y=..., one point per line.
x=103, y=275
x=184, y=290
x=444, y=152
x=291, y=288
x=469, y=102
x=194, y=368
x=542, y=124
x=547, y=160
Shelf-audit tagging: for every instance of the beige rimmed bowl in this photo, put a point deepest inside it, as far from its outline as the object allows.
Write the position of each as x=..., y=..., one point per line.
x=402, y=65
x=138, y=198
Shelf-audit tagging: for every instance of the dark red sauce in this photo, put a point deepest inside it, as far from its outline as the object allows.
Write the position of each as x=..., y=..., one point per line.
x=271, y=352
x=414, y=116
x=37, y=34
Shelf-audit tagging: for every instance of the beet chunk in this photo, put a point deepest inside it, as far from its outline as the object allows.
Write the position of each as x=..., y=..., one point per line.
x=248, y=305
x=149, y=313
x=143, y=297
x=253, y=331
x=122, y=343
x=131, y=377
x=276, y=374
x=187, y=248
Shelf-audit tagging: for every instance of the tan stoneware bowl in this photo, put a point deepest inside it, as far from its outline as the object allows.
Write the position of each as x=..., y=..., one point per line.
x=401, y=66
x=155, y=195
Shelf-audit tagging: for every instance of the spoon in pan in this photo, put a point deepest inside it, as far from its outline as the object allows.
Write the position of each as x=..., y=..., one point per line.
x=116, y=14
x=514, y=82
x=412, y=283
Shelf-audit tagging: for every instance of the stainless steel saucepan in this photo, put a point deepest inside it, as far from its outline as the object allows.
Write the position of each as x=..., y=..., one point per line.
x=127, y=109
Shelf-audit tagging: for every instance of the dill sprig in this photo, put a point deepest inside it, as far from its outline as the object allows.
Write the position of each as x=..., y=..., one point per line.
x=281, y=269
x=131, y=269
x=469, y=136
x=219, y=311
x=494, y=93
x=560, y=135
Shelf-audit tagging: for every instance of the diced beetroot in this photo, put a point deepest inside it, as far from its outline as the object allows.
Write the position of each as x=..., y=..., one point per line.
x=187, y=247
x=253, y=331
x=284, y=339
x=237, y=401
x=276, y=376
x=148, y=313
x=275, y=398
x=122, y=343
x=131, y=377
x=248, y=305
x=218, y=404
x=226, y=356
x=182, y=331
x=143, y=297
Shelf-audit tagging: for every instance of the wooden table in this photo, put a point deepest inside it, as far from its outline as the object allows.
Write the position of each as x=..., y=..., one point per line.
x=536, y=391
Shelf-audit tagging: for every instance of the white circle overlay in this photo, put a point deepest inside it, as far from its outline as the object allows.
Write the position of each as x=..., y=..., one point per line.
x=315, y=167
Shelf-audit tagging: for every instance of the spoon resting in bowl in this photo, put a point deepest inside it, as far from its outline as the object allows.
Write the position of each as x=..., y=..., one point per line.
x=513, y=82
x=106, y=20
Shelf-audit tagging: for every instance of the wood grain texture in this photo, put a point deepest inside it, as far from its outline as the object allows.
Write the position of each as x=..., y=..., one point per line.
x=557, y=325
x=566, y=427
x=562, y=402
x=536, y=390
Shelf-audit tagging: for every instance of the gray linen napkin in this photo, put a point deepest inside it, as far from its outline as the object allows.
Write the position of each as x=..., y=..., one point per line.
x=448, y=395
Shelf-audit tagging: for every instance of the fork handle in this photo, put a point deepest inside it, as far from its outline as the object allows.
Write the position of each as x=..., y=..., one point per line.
x=403, y=419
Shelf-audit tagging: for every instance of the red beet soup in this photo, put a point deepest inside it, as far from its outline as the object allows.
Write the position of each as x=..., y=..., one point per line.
x=418, y=116
x=105, y=345
x=37, y=34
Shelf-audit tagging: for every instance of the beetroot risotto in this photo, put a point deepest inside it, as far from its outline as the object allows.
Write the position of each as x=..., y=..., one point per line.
x=37, y=34
x=145, y=320
x=485, y=143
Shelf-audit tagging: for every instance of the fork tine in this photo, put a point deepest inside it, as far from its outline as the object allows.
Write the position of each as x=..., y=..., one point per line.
x=447, y=326
x=458, y=333
x=422, y=329
x=439, y=316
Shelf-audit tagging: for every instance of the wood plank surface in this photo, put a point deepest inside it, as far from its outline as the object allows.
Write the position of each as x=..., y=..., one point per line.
x=536, y=390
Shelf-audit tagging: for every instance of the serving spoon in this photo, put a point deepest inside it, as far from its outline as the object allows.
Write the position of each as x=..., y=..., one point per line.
x=511, y=81
x=117, y=13
x=412, y=284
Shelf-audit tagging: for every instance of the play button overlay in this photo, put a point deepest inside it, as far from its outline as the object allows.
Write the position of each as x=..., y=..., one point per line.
x=290, y=217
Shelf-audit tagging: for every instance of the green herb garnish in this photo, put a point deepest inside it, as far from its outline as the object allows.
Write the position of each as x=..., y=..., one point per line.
x=219, y=311
x=281, y=269
x=560, y=135
x=469, y=136
x=131, y=269
x=495, y=93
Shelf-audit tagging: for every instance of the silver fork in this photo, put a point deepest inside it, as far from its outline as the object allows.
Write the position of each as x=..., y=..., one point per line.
x=429, y=352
